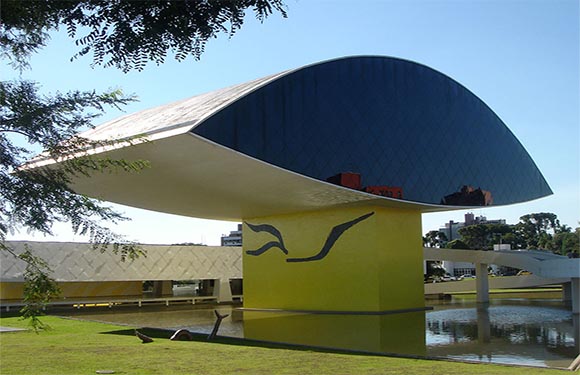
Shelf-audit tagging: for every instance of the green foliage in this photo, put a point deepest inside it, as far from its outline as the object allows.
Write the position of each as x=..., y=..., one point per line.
x=434, y=268
x=534, y=231
x=39, y=289
x=36, y=197
x=484, y=236
x=434, y=238
x=456, y=244
x=475, y=236
x=125, y=34
x=566, y=243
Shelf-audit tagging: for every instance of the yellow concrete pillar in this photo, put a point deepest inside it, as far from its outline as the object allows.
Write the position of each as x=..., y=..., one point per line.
x=359, y=259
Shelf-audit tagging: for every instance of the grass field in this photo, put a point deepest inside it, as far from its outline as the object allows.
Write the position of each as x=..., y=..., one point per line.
x=78, y=347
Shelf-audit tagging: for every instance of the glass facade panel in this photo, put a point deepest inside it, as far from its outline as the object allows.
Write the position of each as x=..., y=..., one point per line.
x=396, y=123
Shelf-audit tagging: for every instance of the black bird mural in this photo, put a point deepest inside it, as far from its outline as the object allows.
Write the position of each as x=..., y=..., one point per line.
x=274, y=232
x=335, y=233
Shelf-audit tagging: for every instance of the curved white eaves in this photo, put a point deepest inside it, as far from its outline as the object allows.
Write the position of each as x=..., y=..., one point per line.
x=192, y=176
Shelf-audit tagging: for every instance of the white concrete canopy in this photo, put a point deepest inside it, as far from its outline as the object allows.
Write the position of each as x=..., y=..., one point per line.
x=192, y=176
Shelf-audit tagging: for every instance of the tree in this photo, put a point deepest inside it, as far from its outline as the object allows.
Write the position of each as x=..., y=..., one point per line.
x=566, y=243
x=513, y=238
x=122, y=34
x=37, y=197
x=537, y=229
x=475, y=236
x=457, y=244
x=434, y=238
x=125, y=34
x=434, y=268
x=499, y=233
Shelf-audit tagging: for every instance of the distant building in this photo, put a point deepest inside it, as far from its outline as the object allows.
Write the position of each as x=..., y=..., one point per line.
x=208, y=273
x=458, y=268
x=451, y=230
x=234, y=238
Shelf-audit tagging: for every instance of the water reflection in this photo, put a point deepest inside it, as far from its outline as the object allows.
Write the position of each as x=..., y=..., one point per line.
x=401, y=333
x=533, y=335
x=576, y=328
x=483, y=325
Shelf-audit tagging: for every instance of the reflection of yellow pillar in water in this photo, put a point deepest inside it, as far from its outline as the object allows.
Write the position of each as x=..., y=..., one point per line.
x=359, y=259
x=400, y=333
x=373, y=265
x=576, y=327
x=483, y=325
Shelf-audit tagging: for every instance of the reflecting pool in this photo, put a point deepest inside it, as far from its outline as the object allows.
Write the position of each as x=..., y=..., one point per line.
x=523, y=332
x=504, y=333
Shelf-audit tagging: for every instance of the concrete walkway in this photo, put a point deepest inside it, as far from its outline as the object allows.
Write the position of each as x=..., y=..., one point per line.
x=543, y=264
x=504, y=282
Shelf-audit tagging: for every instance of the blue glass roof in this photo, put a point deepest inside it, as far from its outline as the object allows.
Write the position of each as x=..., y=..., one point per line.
x=395, y=123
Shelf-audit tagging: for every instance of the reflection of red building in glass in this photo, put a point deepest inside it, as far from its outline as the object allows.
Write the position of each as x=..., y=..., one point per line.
x=469, y=196
x=346, y=179
x=385, y=191
x=353, y=181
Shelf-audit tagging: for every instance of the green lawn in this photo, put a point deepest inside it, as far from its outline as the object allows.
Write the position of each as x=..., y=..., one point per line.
x=76, y=347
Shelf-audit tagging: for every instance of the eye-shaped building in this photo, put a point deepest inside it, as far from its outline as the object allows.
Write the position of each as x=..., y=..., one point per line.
x=337, y=158
x=389, y=122
x=379, y=126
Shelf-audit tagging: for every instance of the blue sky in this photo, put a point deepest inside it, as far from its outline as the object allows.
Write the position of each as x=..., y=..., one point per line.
x=520, y=57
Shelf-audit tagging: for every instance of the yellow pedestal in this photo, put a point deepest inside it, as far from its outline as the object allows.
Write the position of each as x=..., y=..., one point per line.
x=356, y=259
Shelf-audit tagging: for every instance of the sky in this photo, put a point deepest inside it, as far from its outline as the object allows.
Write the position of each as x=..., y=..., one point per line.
x=521, y=57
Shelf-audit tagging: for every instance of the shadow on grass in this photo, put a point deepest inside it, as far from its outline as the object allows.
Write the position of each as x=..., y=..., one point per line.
x=158, y=333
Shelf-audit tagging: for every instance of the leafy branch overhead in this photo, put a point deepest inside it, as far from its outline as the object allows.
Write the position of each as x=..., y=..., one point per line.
x=118, y=33
x=39, y=287
x=37, y=198
x=126, y=34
